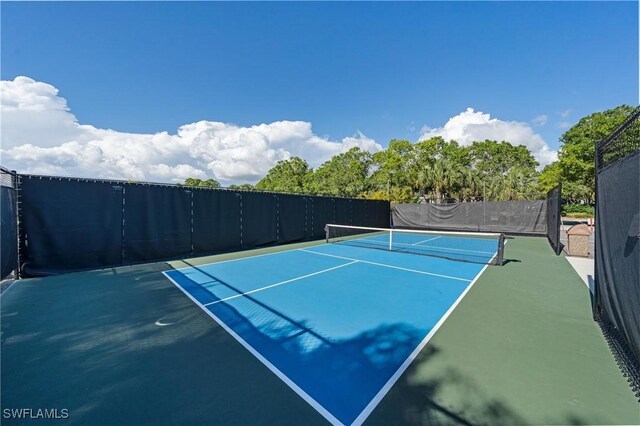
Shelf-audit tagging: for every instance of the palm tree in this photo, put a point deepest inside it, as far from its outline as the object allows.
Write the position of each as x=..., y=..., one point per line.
x=442, y=176
x=471, y=183
x=516, y=184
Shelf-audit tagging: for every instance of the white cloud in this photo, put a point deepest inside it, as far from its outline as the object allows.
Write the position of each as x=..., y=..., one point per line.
x=563, y=125
x=540, y=120
x=470, y=126
x=361, y=141
x=565, y=113
x=41, y=135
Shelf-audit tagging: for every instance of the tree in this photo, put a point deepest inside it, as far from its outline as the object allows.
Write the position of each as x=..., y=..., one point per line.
x=394, y=171
x=436, y=148
x=576, y=193
x=344, y=174
x=493, y=158
x=209, y=183
x=289, y=175
x=550, y=177
x=471, y=185
x=577, y=151
x=441, y=177
x=518, y=184
x=243, y=187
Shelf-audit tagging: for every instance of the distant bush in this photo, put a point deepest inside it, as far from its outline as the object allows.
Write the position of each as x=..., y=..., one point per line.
x=577, y=210
x=579, y=215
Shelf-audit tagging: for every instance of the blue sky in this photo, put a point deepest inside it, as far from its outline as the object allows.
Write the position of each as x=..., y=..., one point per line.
x=385, y=69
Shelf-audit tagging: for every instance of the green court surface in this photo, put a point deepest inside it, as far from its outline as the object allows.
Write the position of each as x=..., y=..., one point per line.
x=126, y=346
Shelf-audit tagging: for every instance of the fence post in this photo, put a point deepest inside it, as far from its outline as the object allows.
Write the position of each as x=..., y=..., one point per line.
x=594, y=303
x=17, y=207
x=559, y=221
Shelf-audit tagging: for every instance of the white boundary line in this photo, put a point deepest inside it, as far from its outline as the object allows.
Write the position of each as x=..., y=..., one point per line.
x=385, y=389
x=383, y=243
x=386, y=266
x=323, y=411
x=462, y=250
x=424, y=241
x=249, y=256
x=280, y=283
x=392, y=381
x=13, y=284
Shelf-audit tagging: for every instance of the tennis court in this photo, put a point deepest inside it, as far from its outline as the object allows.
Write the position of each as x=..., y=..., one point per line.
x=314, y=333
x=338, y=323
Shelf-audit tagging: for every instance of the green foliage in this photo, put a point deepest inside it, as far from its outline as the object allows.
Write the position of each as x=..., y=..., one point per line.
x=440, y=178
x=404, y=173
x=405, y=170
x=431, y=150
x=579, y=215
x=519, y=183
x=577, y=152
x=576, y=192
x=571, y=209
x=441, y=170
x=488, y=169
x=394, y=167
x=376, y=195
x=243, y=187
x=209, y=183
x=550, y=177
x=286, y=176
x=492, y=158
x=345, y=174
x=575, y=168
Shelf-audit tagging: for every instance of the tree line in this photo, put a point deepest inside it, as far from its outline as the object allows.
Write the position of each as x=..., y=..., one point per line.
x=439, y=171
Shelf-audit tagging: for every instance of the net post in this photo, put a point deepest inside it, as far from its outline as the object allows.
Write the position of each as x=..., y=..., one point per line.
x=500, y=255
x=390, y=239
x=326, y=233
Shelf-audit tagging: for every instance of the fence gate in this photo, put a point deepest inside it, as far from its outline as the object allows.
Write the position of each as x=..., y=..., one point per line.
x=617, y=250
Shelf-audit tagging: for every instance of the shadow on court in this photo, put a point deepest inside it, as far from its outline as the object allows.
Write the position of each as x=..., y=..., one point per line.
x=419, y=400
x=125, y=346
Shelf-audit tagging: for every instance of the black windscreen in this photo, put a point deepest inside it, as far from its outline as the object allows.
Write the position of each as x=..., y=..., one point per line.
x=342, y=208
x=320, y=214
x=258, y=219
x=216, y=221
x=291, y=218
x=70, y=224
x=157, y=222
x=9, y=243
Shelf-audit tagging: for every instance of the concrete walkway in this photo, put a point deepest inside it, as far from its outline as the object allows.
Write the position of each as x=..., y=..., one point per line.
x=584, y=267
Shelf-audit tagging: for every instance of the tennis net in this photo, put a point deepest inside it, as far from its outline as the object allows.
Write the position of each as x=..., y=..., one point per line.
x=475, y=247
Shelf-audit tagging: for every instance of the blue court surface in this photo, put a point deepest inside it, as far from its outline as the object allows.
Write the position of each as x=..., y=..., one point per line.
x=337, y=323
